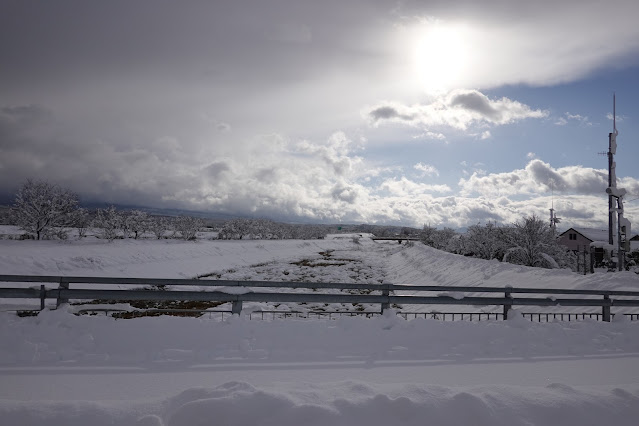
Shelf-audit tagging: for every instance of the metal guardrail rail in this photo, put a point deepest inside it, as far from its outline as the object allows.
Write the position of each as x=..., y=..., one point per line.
x=237, y=292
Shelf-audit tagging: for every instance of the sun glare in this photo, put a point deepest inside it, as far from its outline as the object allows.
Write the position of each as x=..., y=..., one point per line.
x=442, y=56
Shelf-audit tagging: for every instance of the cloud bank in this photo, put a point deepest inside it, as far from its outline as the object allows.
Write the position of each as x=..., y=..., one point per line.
x=459, y=109
x=327, y=180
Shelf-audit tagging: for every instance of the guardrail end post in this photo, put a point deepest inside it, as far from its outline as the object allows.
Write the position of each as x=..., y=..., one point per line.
x=507, y=303
x=385, y=293
x=605, y=308
x=237, y=307
x=61, y=300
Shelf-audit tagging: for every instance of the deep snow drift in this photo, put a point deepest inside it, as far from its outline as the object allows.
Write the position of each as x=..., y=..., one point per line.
x=62, y=369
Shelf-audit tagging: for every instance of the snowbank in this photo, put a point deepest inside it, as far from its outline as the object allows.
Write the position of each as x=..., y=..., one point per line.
x=68, y=344
x=59, y=369
x=348, y=404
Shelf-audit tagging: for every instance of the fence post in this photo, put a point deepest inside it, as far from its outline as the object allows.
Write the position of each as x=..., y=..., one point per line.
x=507, y=303
x=385, y=293
x=43, y=295
x=606, y=308
x=63, y=286
x=237, y=307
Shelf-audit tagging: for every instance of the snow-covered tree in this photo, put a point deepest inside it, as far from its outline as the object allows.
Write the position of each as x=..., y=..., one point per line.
x=82, y=222
x=137, y=223
x=109, y=221
x=44, y=209
x=486, y=242
x=531, y=242
x=159, y=225
x=437, y=238
x=186, y=227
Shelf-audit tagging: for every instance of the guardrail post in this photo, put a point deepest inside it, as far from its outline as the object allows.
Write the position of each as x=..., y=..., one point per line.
x=507, y=303
x=43, y=295
x=63, y=286
x=605, y=308
x=237, y=307
x=385, y=293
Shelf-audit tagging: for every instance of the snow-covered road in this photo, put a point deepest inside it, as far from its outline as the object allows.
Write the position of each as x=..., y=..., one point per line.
x=96, y=384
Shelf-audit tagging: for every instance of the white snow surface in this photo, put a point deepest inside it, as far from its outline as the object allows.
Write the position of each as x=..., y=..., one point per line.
x=62, y=369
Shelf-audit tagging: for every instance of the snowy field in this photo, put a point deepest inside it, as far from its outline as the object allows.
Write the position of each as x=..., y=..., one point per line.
x=62, y=369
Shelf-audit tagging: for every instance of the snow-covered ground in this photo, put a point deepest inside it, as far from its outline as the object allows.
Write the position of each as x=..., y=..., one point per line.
x=62, y=369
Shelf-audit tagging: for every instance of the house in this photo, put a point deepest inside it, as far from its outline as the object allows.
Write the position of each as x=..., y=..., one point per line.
x=576, y=238
x=579, y=239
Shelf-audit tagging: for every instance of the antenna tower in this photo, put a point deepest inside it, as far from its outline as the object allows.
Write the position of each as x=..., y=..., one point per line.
x=618, y=225
x=554, y=220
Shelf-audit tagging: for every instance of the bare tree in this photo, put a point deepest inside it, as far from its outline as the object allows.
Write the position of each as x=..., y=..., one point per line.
x=158, y=225
x=108, y=220
x=137, y=222
x=82, y=222
x=187, y=227
x=44, y=209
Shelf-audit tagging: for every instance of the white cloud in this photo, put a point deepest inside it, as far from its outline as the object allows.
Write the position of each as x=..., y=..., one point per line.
x=539, y=178
x=459, y=109
x=426, y=169
x=531, y=155
x=430, y=136
x=568, y=117
x=620, y=118
x=404, y=187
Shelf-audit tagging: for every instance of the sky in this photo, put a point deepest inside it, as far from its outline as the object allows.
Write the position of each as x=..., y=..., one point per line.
x=447, y=113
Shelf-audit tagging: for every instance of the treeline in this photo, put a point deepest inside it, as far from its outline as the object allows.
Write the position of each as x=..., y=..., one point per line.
x=529, y=242
x=46, y=211
x=264, y=229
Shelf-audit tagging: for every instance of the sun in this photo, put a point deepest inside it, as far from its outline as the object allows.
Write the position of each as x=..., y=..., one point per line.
x=442, y=56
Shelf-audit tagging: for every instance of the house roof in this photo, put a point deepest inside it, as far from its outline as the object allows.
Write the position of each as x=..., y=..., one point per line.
x=593, y=234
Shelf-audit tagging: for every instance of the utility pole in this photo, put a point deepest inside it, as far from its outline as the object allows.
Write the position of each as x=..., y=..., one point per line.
x=612, y=180
x=618, y=225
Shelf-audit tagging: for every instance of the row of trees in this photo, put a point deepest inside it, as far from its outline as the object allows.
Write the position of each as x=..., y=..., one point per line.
x=48, y=211
x=529, y=242
x=136, y=223
x=263, y=229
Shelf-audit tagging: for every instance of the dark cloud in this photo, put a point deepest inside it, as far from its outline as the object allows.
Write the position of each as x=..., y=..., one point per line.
x=344, y=193
x=23, y=113
x=459, y=109
x=543, y=174
x=214, y=170
x=483, y=215
x=475, y=101
x=387, y=113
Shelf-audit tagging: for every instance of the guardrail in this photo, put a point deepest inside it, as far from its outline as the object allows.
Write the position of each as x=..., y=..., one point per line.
x=237, y=292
